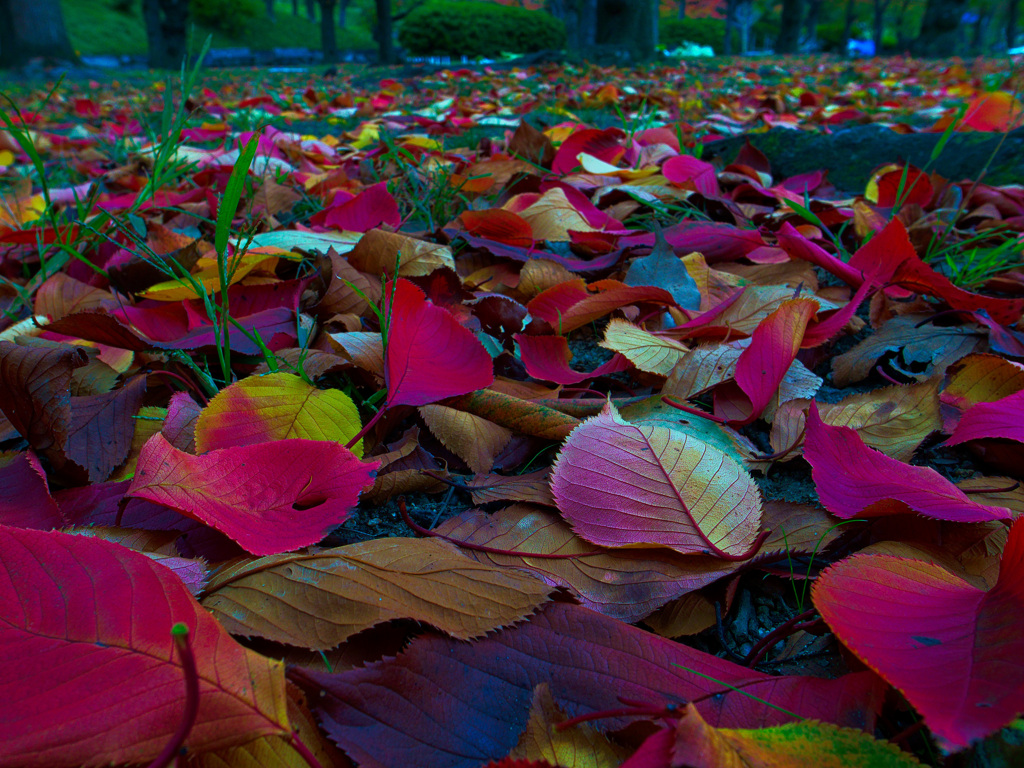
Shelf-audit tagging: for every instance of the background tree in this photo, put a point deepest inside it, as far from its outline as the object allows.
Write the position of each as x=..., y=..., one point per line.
x=788, y=40
x=31, y=29
x=1012, y=11
x=328, y=37
x=166, y=32
x=940, y=28
x=626, y=25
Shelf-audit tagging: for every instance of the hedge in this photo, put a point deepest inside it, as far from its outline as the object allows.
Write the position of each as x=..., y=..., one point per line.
x=478, y=29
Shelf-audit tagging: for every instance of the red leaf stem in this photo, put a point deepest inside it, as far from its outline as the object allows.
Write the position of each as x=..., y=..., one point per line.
x=172, y=748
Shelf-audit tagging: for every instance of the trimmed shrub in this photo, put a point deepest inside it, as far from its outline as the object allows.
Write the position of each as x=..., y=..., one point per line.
x=673, y=32
x=226, y=15
x=474, y=29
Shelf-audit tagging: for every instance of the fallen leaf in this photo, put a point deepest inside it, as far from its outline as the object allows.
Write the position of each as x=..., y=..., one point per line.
x=319, y=600
x=952, y=649
x=93, y=677
x=626, y=485
x=268, y=497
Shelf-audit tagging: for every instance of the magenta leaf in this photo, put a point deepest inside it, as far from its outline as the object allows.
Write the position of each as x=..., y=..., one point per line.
x=547, y=358
x=89, y=675
x=269, y=497
x=25, y=500
x=1000, y=419
x=954, y=650
x=854, y=480
x=429, y=356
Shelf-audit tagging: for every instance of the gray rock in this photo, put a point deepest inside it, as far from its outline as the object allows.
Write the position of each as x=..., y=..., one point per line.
x=851, y=154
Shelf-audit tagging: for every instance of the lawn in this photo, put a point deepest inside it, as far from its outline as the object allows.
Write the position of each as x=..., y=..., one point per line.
x=569, y=416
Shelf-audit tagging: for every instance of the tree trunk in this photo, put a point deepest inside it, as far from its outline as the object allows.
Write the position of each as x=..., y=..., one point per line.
x=850, y=17
x=903, y=38
x=580, y=19
x=629, y=25
x=878, y=26
x=731, y=7
x=1012, y=10
x=295, y=8
x=31, y=29
x=789, y=27
x=311, y=10
x=383, y=33
x=939, y=36
x=166, y=32
x=342, y=13
x=270, y=10
x=328, y=37
x=682, y=9
x=811, y=22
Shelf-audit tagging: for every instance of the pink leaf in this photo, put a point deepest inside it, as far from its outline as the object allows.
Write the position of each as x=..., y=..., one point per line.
x=360, y=213
x=854, y=480
x=955, y=651
x=620, y=485
x=429, y=356
x=89, y=674
x=1001, y=419
x=773, y=347
x=687, y=168
x=547, y=358
x=605, y=145
x=269, y=497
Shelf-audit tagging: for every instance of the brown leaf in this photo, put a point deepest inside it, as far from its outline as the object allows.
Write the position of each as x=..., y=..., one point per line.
x=532, y=488
x=61, y=295
x=321, y=599
x=521, y=416
x=895, y=420
x=341, y=298
x=688, y=615
x=473, y=439
x=366, y=350
x=34, y=394
x=401, y=470
x=378, y=251
x=626, y=584
x=923, y=351
x=531, y=145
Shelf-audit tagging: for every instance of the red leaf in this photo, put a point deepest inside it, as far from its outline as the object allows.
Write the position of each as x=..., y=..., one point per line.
x=687, y=168
x=269, y=497
x=604, y=145
x=360, y=213
x=456, y=705
x=547, y=358
x=572, y=304
x=890, y=257
x=499, y=225
x=773, y=347
x=25, y=499
x=429, y=356
x=955, y=651
x=854, y=480
x=1003, y=419
x=89, y=674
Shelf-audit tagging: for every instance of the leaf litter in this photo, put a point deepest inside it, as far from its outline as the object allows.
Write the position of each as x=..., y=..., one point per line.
x=402, y=406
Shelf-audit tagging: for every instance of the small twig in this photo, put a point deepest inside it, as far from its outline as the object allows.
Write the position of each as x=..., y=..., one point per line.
x=785, y=629
x=667, y=399
x=304, y=752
